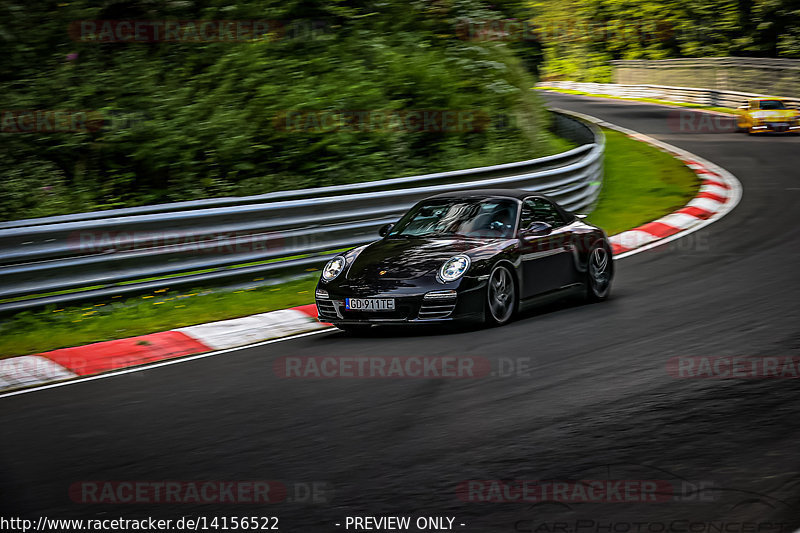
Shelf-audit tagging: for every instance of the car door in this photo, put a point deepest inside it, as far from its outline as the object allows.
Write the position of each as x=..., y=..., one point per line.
x=547, y=261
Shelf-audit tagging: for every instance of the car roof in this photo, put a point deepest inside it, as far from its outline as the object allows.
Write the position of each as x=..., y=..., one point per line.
x=490, y=193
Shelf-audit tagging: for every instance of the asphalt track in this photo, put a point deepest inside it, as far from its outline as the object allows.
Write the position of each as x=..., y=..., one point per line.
x=597, y=402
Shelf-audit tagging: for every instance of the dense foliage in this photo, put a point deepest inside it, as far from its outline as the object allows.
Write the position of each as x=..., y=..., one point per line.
x=579, y=37
x=194, y=120
x=188, y=120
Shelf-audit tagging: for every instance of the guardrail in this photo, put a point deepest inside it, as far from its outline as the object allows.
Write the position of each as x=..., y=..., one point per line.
x=64, y=259
x=747, y=74
x=687, y=95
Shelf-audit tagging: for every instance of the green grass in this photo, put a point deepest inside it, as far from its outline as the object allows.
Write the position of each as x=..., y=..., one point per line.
x=641, y=183
x=561, y=145
x=648, y=100
x=38, y=331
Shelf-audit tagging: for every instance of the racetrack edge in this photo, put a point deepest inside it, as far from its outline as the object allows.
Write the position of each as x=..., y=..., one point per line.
x=719, y=194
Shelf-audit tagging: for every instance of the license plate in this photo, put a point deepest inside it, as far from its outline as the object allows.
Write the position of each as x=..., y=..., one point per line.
x=369, y=304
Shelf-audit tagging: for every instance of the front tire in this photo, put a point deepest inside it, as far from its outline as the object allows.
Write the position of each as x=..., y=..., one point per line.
x=599, y=273
x=501, y=296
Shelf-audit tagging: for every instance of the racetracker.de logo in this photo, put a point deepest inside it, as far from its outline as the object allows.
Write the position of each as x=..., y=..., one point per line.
x=190, y=242
x=50, y=121
x=674, y=525
x=566, y=491
x=382, y=121
x=719, y=367
x=688, y=121
x=176, y=31
x=158, y=492
x=366, y=367
x=565, y=30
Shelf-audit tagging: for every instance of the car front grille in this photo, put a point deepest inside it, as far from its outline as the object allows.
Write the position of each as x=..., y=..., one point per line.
x=430, y=310
x=433, y=309
x=401, y=312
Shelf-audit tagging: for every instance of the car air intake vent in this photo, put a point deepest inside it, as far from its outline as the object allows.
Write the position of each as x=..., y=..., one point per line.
x=436, y=310
x=326, y=309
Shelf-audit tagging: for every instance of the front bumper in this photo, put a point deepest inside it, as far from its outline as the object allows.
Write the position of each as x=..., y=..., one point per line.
x=776, y=127
x=411, y=305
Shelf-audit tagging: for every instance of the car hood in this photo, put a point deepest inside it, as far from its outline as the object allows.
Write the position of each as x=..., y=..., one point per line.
x=776, y=114
x=412, y=257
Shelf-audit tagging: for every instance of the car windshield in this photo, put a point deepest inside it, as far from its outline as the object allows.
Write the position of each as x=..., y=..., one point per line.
x=492, y=218
x=772, y=104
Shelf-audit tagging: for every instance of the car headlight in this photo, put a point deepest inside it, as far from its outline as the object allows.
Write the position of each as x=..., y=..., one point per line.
x=333, y=268
x=454, y=268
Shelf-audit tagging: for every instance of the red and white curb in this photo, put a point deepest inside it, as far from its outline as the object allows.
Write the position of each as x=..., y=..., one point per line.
x=30, y=370
x=718, y=195
x=68, y=363
x=714, y=197
x=250, y=329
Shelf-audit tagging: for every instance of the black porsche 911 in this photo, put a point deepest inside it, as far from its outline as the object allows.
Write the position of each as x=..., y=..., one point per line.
x=479, y=255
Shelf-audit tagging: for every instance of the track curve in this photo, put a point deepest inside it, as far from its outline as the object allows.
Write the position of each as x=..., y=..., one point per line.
x=598, y=402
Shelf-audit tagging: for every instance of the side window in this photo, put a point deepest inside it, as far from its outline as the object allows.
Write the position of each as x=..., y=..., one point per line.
x=539, y=210
x=526, y=215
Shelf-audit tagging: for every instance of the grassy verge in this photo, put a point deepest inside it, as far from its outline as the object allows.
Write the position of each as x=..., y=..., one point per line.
x=648, y=100
x=640, y=184
x=37, y=331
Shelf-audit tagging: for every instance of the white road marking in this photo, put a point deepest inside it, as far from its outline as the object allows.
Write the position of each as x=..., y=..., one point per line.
x=166, y=362
x=678, y=220
x=706, y=204
x=715, y=189
x=30, y=370
x=633, y=238
x=247, y=330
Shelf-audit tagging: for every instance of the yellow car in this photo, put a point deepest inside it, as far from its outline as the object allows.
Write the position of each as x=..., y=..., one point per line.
x=768, y=115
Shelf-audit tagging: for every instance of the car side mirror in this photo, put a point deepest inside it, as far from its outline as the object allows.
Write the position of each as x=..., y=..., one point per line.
x=385, y=229
x=537, y=229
